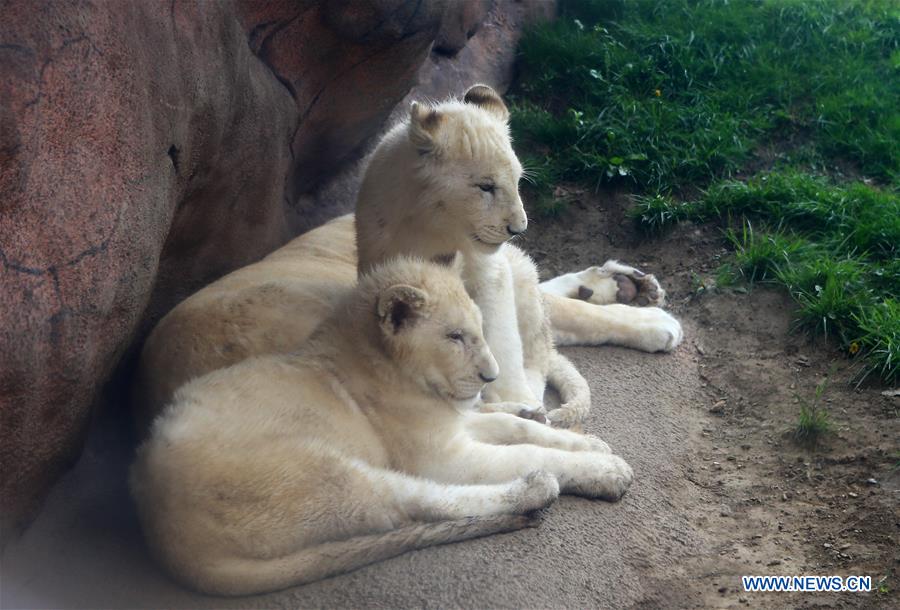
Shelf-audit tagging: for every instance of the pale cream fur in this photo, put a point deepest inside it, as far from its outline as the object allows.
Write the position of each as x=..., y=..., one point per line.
x=444, y=181
x=268, y=307
x=284, y=469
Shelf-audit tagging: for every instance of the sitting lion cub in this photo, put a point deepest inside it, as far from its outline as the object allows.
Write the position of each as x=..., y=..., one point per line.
x=284, y=469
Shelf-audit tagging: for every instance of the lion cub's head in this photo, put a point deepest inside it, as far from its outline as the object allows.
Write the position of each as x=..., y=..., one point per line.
x=430, y=328
x=470, y=168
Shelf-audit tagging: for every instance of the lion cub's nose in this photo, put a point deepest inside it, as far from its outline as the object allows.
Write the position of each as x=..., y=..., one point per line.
x=512, y=231
x=485, y=378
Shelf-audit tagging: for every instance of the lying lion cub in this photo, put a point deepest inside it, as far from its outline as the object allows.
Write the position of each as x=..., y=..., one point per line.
x=284, y=469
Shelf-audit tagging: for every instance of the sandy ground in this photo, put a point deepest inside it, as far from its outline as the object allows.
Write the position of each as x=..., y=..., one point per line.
x=720, y=488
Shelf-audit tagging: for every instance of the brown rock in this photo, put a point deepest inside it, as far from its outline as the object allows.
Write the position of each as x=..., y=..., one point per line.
x=489, y=55
x=459, y=25
x=131, y=140
x=346, y=63
x=147, y=148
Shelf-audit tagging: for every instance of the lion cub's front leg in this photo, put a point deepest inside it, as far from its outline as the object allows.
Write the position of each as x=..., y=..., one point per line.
x=502, y=429
x=429, y=501
x=465, y=460
x=490, y=283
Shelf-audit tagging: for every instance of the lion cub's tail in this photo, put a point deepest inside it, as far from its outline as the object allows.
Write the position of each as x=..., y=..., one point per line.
x=247, y=576
x=573, y=390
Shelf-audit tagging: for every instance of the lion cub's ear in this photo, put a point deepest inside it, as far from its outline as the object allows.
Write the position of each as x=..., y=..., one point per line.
x=399, y=307
x=486, y=98
x=424, y=123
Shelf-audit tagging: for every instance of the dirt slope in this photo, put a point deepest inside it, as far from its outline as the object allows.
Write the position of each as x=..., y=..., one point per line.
x=720, y=489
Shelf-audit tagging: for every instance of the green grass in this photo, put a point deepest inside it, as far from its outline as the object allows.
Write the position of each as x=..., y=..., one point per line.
x=836, y=248
x=677, y=97
x=763, y=256
x=674, y=93
x=879, y=337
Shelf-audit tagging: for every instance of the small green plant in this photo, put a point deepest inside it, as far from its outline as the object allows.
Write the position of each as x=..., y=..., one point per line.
x=882, y=588
x=698, y=284
x=814, y=421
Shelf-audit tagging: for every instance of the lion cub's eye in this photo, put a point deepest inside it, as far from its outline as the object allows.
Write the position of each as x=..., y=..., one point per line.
x=486, y=187
x=455, y=336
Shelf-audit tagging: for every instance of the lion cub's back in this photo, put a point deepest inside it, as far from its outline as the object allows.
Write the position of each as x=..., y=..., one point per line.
x=269, y=307
x=217, y=424
x=239, y=450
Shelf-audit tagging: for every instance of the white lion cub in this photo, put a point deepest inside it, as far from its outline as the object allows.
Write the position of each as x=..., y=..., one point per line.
x=284, y=469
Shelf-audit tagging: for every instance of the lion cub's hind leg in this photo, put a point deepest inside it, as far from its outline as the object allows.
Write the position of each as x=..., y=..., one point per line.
x=573, y=390
x=612, y=282
x=340, y=514
x=649, y=329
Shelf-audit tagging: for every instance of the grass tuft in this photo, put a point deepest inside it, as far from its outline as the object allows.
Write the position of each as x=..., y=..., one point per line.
x=814, y=420
x=655, y=213
x=879, y=339
x=761, y=256
x=812, y=424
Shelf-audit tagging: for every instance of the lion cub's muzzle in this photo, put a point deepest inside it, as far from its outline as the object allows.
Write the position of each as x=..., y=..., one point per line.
x=488, y=369
x=517, y=226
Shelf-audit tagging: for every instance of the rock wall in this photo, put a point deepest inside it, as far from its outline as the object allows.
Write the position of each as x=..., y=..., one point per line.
x=147, y=148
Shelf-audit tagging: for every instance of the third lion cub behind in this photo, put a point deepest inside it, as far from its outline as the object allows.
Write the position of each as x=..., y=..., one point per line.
x=289, y=468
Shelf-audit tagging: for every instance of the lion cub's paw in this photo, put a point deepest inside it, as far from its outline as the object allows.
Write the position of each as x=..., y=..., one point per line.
x=538, y=414
x=541, y=489
x=639, y=289
x=609, y=481
x=566, y=416
x=618, y=478
x=661, y=332
x=596, y=445
x=617, y=283
x=520, y=409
